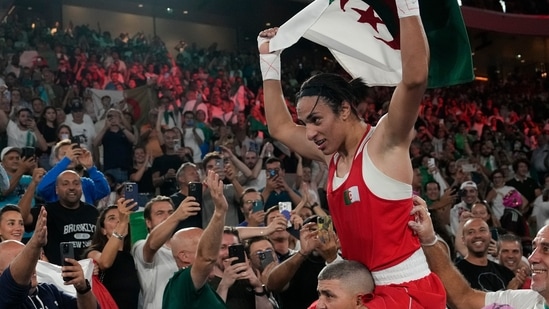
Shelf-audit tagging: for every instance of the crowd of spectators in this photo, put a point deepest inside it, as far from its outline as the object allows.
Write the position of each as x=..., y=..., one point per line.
x=480, y=144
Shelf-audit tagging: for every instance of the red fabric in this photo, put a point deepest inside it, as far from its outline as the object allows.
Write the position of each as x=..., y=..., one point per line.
x=373, y=231
x=104, y=298
x=425, y=293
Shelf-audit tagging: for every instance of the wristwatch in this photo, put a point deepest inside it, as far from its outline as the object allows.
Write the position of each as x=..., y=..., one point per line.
x=86, y=289
x=118, y=236
x=263, y=292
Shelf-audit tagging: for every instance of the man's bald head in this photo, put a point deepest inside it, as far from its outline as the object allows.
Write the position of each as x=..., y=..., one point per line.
x=9, y=249
x=184, y=245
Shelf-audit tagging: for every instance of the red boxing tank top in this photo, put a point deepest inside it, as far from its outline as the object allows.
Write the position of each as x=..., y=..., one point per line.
x=371, y=229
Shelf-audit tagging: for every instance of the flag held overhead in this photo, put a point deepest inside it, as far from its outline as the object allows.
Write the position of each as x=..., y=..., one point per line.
x=363, y=36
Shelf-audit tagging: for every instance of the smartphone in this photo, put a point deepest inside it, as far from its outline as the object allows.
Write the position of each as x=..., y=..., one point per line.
x=131, y=191
x=237, y=251
x=27, y=152
x=67, y=252
x=285, y=209
x=273, y=173
x=431, y=162
x=75, y=140
x=195, y=190
x=176, y=145
x=258, y=206
x=495, y=234
x=219, y=162
x=265, y=258
x=325, y=223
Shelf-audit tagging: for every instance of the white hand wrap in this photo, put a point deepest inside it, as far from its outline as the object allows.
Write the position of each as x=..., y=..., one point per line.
x=269, y=63
x=407, y=8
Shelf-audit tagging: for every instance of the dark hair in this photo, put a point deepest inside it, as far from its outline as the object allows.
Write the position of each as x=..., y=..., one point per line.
x=274, y=160
x=268, y=212
x=249, y=242
x=496, y=171
x=246, y=191
x=9, y=207
x=43, y=120
x=210, y=156
x=61, y=127
x=431, y=181
x=518, y=161
x=99, y=241
x=149, y=205
x=231, y=230
x=334, y=90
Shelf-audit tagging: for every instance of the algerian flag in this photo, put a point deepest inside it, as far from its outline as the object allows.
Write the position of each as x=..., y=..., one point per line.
x=351, y=195
x=365, y=41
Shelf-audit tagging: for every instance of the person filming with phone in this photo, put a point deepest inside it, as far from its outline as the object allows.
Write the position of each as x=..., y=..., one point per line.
x=20, y=288
x=277, y=189
x=110, y=250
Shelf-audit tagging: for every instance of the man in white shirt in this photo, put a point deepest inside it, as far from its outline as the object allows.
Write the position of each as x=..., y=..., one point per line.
x=153, y=256
x=84, y=131
x=460, y=294
x=22, y=132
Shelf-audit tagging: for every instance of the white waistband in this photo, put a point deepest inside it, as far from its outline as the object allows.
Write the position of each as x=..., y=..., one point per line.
x=413, y=268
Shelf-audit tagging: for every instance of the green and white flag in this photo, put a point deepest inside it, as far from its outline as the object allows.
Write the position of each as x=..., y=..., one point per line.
x=351, y=195
x=363, y=36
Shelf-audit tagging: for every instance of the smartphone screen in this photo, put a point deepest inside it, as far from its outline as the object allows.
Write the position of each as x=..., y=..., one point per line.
x=237, y=251
x=131, y=191
x=495, y=234
x=285, y=209
x=75, y=140
x=195, y=190
x=27, y=152
x=258, y=206
x=67, y=252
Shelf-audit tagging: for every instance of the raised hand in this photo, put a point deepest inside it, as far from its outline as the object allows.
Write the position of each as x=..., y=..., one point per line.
x=263, y=39
x=187, y=208
x=86, y=158
x=38, y=174
x=216, y=188
x=278, y=224
x=125, y=207
x=40, y=236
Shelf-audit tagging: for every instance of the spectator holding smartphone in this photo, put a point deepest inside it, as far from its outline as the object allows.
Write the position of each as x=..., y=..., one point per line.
x=69, y=156
x=110, y=250
x=18, y=275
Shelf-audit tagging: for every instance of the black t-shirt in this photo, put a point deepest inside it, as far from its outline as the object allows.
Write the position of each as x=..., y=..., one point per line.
x=527, y=187
x=117, y=151
x=239, y=296
x=50, y=135
x=192, y=221
x=67, y=225
x=124, y=292
x=492, y=277
x=162, y=164
x=302, y=289
x=145, y=185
